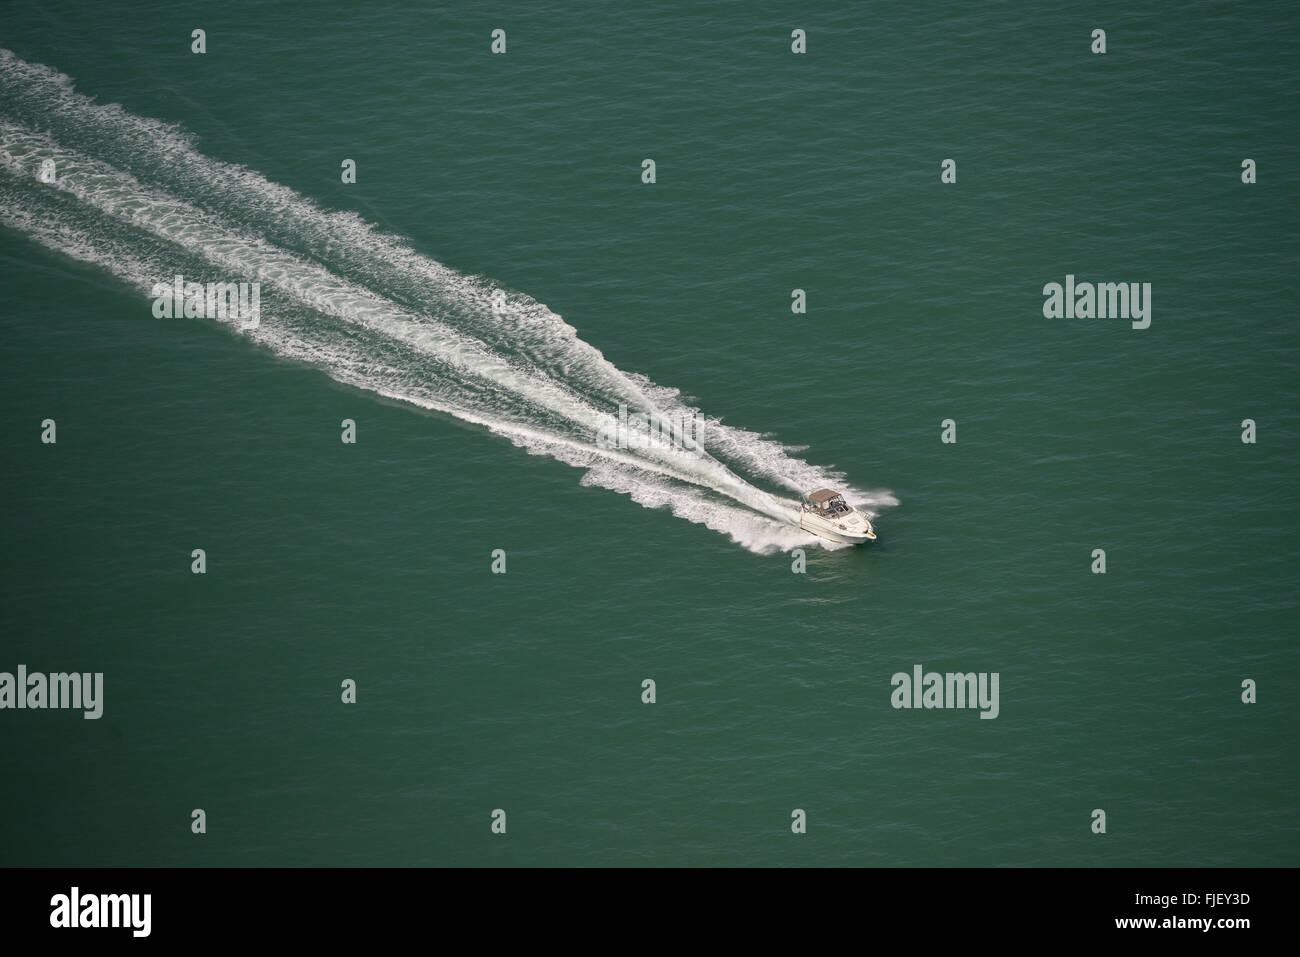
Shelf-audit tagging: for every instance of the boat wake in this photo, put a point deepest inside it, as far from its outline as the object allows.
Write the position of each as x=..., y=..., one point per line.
x=133, y=196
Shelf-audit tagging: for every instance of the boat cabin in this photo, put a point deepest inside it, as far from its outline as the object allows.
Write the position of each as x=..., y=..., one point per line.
x=826, y=502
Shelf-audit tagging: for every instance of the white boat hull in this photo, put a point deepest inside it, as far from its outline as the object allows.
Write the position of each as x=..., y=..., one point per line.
x=843, y=532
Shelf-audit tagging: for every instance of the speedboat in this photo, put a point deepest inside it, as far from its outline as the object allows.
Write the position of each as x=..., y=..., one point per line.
x=825, y=513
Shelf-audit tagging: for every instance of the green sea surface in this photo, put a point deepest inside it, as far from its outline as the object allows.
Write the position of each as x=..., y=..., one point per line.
x=522, y=691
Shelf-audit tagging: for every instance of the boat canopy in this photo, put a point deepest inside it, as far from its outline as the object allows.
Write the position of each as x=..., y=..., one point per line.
x=823, y=495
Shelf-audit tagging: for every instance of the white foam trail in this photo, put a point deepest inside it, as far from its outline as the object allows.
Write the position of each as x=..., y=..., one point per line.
x=366, y=308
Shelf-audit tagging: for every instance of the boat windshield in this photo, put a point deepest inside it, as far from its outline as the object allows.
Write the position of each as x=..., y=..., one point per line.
x=834, y=506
